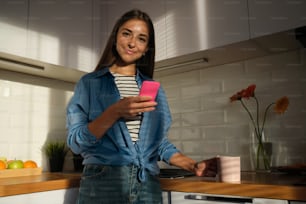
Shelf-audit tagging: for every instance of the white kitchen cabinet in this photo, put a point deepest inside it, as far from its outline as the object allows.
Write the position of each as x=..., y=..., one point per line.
x=60, y=32
x=204, y=24
x=183, y=27
x=106, y=14
x=271, y=16
x=63, y=196
x=13, y=27
x=165, y=195
x=74, y=33
x=100, y=29
x=269, y=201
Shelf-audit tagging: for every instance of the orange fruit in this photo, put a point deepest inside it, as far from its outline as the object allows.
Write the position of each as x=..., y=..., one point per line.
x=2, y=164
x=29, y=164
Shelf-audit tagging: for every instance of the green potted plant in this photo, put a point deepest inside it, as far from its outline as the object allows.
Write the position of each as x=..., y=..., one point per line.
x=77, y=162
x=56, y=152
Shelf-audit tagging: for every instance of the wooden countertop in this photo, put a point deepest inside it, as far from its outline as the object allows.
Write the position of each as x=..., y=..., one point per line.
x=256, y=185
x=260, y=185
x=38, y=183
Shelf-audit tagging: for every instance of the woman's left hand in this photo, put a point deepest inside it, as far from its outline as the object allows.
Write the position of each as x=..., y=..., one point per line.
x=208, y=167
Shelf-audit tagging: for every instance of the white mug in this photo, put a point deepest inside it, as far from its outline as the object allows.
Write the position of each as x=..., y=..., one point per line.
x=229, y=169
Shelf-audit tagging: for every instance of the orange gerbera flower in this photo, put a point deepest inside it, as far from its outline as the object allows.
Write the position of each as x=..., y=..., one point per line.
x=281, y=105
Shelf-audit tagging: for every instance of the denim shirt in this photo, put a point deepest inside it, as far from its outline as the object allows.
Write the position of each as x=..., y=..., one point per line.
x=94, y=93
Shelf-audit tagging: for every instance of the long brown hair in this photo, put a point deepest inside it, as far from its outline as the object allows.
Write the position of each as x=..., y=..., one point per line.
x=146, y=63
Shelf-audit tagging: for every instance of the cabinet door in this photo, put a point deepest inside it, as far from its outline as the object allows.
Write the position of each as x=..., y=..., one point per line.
x=200, y=25
x=100, y=28
x=13, y=26
x=273, y=16
x=269, y=201
x=60, y=32
x=107, y=13
x=166, y=195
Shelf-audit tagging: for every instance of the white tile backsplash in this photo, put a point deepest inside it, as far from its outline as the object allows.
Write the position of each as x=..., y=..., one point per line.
x=30, y=114
x=214, y=126
x=205, y=123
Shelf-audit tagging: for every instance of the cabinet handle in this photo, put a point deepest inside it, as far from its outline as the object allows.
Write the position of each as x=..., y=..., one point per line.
x=218, y=199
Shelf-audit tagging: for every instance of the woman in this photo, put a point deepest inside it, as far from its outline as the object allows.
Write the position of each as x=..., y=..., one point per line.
x=121, y=135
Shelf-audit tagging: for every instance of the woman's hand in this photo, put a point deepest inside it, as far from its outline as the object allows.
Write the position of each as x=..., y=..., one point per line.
x=207, y=167
x=132, y=106
x=125, y=108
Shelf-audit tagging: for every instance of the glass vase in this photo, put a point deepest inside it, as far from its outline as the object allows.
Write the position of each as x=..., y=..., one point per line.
x=261, y=153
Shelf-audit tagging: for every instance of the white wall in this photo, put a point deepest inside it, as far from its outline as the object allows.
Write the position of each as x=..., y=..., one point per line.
x=32, y=110
x=205, y=122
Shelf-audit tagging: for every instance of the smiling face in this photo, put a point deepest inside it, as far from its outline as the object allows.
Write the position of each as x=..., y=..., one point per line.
x=132, y=41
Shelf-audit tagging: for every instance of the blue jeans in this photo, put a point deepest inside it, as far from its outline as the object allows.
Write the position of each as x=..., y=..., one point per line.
x=117, y=185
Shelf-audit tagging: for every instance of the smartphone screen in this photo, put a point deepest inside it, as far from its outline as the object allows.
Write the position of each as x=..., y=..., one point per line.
x=149, y=88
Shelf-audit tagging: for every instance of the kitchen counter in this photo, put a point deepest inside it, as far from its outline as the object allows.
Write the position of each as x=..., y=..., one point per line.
x=260, y=185
x=38, y=183
x=256, y=185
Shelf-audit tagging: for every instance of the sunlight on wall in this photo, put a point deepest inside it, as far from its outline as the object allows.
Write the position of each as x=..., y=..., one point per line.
x=16, y=44
x=29, y=115
x=160, y=38
x=24, y=118
x=85, y=58
x=185, y=32
x=201, y=24
x=171, y=38
x=44, y=47
x=4, y=89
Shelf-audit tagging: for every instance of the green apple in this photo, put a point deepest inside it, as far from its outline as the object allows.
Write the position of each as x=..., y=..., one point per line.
x=15, y=164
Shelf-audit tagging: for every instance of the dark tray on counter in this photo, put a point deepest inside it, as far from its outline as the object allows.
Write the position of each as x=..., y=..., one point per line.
x=174, y=173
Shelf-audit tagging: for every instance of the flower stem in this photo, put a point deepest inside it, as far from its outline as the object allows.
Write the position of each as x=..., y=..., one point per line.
x=257, y=119
x=261, y=153
x=265, y=116
x=251, y=117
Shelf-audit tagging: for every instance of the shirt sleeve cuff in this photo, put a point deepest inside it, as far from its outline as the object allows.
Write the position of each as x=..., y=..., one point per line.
x=90, y=137
x=168, y=154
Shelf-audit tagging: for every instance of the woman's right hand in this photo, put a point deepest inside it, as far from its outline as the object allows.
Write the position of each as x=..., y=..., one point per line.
x=208, y=167
x=132, y=106
x=124, y=108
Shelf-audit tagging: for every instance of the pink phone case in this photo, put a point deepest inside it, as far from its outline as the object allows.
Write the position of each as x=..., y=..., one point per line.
x=149, y=88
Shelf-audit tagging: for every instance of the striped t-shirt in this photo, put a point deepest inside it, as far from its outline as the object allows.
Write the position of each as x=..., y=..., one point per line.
x=127, y=86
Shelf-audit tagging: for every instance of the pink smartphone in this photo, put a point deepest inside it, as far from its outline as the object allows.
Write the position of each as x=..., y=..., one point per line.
x=149, y=88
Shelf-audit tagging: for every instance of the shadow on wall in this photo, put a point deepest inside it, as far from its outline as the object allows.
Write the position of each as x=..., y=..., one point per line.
x=57, y=124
